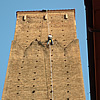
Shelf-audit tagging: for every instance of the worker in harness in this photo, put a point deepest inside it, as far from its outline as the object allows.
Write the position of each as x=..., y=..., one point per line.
x=50, y=39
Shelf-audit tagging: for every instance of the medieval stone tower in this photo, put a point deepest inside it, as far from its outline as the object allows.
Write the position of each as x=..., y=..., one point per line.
x=38, y=72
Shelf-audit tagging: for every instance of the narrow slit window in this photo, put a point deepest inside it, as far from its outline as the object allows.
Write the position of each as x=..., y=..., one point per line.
x=24, y=18
x=66, y=16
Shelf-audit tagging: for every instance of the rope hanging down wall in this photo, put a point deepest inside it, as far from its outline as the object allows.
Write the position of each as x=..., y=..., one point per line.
x=50, y=58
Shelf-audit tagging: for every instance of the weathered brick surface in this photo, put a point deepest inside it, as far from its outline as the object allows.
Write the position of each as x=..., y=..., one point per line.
x=28, y=73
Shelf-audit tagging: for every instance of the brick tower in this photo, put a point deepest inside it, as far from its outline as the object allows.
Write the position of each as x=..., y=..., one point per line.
x=38, y=72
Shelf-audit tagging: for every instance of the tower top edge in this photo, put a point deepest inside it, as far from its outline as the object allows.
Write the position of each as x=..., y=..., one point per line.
x=39, y=11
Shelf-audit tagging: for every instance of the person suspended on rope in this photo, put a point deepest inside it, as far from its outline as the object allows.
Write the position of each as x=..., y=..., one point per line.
x=50, y=39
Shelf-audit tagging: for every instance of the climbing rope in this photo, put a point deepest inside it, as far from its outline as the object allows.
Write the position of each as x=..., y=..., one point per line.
x=50, y=58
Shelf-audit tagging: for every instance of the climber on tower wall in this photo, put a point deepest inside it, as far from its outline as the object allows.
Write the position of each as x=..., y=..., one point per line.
x=50, y=38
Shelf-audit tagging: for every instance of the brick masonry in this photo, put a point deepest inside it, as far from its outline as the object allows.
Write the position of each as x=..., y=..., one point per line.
x=28, y=73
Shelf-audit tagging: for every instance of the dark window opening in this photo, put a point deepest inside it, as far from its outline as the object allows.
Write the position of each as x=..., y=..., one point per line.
x=51, y=91
x=34, y=79
x=17, y=86
x=33, y=91
x=18, y=79
x=36, y=61
x=67, y=72
x=62, y=30
x=63, y=35
x=21, y=67
x=34, y=72
x=22, y=61
x=19, y=73
x=67, y=91
x=35, y=66
x=33, y=85
x=64, y=60
x=67, y=84
x=17, y=93
x=67, y=78
x=65, y=65
x=67, y=98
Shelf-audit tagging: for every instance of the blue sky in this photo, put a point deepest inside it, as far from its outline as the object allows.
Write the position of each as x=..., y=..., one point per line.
x=8, y=10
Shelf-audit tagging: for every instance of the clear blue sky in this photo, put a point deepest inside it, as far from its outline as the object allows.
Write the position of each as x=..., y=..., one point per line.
x=8, y=10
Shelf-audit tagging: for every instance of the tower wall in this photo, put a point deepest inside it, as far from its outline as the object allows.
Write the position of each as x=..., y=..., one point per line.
x=29, y=72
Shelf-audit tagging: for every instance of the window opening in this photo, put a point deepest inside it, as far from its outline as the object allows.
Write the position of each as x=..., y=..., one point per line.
x=33, y=91
x=66, y=16
x=35, y=66
x=67, y=84
x=24, y=18
x=67, y=91
x=33, y=85
x=67, y=72
x=22, y=61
